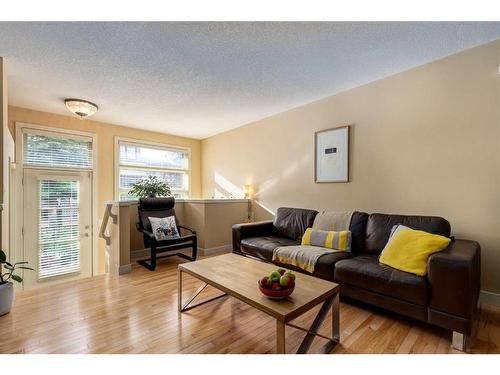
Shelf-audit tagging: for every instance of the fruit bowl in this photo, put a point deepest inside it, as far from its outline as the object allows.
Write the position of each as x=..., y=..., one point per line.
x=278, y=285
x=276, y=294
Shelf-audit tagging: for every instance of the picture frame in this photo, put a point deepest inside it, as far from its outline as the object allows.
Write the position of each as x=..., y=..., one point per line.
x=331, y=155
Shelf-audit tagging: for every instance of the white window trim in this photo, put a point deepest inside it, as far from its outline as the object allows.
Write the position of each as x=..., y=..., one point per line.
x=17, y=252
x=161, y=146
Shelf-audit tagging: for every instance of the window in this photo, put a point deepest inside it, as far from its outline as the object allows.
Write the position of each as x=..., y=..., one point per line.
x=44, y=149
x=138, y=161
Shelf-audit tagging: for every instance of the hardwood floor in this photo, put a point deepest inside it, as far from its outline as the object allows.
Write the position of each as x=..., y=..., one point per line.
x=137, y=313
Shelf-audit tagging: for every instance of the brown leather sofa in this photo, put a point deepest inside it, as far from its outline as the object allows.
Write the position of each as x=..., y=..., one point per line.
x=446, y=297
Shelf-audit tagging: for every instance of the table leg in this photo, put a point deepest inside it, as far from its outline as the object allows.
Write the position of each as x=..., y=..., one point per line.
x=179, y=289
x=184, y=306
x=332, y=303
x=280, y=337
x=336, y=318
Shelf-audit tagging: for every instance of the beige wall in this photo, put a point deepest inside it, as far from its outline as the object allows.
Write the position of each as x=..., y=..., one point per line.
x=105, y=140
x=219, y=218
x=426, y=141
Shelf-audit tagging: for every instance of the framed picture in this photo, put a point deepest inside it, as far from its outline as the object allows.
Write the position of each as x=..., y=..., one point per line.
x=331, y=161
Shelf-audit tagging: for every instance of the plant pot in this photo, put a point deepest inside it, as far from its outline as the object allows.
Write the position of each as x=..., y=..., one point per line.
x=6, y=297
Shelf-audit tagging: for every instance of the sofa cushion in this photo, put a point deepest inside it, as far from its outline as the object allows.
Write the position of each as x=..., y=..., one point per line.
x=293, y=222
x=365, y=271
x=328, y=239
x=358, y=231
x=325, y=265
x=409, y=250
x=262, y=247
x=379, y=226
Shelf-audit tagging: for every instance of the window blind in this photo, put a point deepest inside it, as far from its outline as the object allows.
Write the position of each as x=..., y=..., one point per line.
x=58, y=231
x=137, y=162
x=144, y=156
x=54, y=151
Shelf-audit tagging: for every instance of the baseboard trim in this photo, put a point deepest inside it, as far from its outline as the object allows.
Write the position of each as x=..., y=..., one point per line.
x=127, y=268
x=489, y=298
x=139, y=254
x=216, y=250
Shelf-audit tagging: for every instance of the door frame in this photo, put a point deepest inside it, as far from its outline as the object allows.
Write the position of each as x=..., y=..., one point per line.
x=17, y=252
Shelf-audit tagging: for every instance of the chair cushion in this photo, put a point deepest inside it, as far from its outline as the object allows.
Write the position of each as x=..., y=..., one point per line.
x=365, y=271
x=379, y=226
x=155, y=207
x=293, y=222
x=161, y=203
x=262, y=247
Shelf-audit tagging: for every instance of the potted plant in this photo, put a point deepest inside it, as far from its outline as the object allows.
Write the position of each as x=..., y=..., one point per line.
x=6, y=286
x=150, y=187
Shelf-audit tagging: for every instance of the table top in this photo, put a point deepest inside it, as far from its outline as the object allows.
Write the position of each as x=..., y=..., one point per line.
x=238, y=276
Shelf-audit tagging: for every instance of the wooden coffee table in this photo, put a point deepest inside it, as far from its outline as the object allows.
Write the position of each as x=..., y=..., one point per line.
x=237, y=276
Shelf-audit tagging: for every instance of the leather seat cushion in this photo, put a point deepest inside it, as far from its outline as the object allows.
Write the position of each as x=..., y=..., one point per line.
x=262, y=247
x=325, y=266
x=366, y=272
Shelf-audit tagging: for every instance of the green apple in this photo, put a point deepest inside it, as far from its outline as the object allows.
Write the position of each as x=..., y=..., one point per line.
x=274, y=276
x=290, y=274
x=284, y=280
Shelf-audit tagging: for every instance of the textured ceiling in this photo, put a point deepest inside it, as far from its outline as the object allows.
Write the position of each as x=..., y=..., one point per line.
x=199, y=79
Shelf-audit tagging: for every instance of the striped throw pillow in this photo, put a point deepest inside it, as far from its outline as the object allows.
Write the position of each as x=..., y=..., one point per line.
x=329, y=239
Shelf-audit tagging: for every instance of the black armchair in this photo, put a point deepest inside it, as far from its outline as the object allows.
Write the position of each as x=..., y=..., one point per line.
x=163, y=207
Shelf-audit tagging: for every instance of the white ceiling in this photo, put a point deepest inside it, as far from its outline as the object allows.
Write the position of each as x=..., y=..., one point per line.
x=200, y=79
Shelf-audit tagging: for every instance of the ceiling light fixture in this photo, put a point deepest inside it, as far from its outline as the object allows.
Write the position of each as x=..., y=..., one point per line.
x=81, y=108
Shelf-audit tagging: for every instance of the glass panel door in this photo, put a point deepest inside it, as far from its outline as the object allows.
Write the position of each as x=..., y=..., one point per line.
x=57, y=226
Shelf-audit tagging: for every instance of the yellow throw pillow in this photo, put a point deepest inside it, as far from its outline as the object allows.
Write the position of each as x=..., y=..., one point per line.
x=408, y=250
x=329, y=239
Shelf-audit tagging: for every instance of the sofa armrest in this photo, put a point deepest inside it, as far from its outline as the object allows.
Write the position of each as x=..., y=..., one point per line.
x=454, y=278
x=241, y=231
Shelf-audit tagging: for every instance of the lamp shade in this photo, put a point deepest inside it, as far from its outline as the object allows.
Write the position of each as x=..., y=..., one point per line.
x=247, y=191
x=81, y=108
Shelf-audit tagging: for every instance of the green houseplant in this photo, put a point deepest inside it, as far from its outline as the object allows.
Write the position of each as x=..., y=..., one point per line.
x=150, y=187
x=6, y=286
